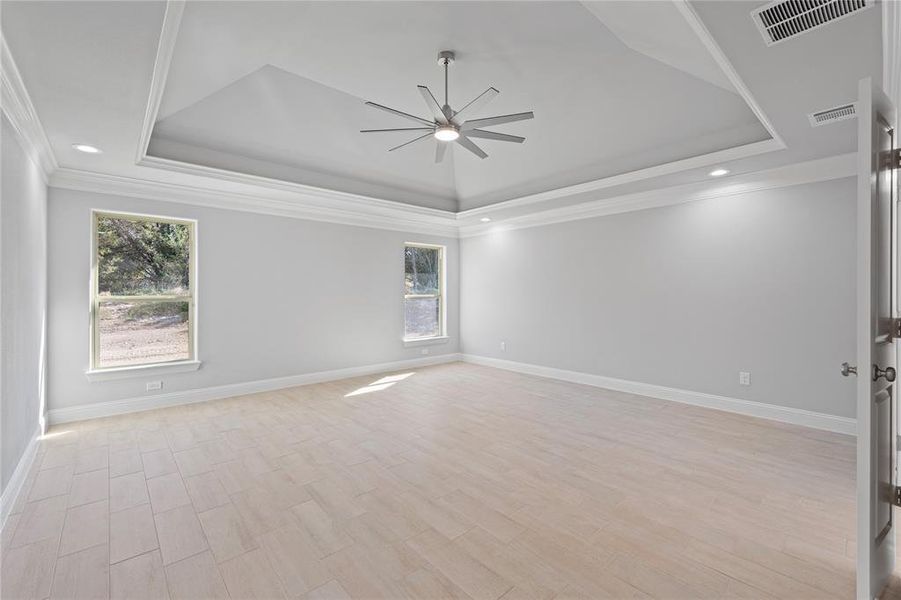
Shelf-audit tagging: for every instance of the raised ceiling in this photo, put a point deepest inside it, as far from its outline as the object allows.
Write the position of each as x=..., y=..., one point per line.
x=278, y=89
x=628, y=96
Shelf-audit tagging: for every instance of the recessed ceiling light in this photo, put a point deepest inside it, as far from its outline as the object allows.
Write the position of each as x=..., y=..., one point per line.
x=719, y=172
x=87, y=148
x=446, y=133
x=485, y=219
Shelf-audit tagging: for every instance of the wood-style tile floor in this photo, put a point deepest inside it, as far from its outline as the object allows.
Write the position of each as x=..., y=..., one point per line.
x=453, y=481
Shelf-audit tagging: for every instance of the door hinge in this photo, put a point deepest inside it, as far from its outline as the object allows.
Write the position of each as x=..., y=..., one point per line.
x=895, y=328
x=890, y=159
x=896, y=495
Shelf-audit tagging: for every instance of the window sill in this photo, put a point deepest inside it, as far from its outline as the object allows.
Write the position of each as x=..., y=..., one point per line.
x=431, y=341
x=113, y=374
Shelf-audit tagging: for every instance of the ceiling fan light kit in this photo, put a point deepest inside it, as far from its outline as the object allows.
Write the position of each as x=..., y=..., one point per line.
x=448, y=125
x=446, y=133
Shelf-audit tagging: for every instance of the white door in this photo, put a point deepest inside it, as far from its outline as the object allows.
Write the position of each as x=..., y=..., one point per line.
x=877, y=307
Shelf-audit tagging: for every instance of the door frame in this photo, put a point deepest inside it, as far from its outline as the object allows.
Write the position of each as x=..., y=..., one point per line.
x=875, y=542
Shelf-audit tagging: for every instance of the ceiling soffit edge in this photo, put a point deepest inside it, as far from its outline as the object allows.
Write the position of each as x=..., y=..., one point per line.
x=164, y=51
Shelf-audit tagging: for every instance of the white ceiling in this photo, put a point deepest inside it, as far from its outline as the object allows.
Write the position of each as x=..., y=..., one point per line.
x=284, y=84
x=277, y=89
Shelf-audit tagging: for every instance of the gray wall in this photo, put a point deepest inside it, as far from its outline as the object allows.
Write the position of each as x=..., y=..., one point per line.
x=276, y=297
x=683, y=296
x=23, y=280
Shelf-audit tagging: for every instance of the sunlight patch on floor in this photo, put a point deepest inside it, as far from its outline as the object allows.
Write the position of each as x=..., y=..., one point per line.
x=379, y=384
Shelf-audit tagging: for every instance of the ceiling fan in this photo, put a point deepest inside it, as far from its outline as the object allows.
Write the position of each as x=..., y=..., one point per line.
x=448, y=125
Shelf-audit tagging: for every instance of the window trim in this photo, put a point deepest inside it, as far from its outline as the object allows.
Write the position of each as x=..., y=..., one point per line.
x=131, y=372
x=441, y=336
x=97, y=373
x=428, y=341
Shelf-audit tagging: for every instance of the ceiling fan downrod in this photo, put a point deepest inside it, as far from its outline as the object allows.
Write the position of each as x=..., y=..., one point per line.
x=446, y=58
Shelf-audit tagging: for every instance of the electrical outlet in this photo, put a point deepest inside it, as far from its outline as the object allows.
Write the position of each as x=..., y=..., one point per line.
x=503, y=346
x=154, y=385
x=744, y=378
x=424, y=351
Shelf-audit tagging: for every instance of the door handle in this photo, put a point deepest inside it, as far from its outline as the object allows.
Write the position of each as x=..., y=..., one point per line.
x=888, y=373
x=848, y=369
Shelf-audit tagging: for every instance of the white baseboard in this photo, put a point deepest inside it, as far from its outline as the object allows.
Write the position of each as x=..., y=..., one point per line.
x=795, y=416
x=142, y=403
x=773, y=412
x=15, y=483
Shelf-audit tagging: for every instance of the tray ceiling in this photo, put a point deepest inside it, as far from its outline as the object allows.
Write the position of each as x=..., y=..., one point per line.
x=277, y=90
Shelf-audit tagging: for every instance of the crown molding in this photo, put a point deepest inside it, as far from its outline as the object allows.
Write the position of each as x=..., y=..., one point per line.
x=267, y=185
x=294, y=204
x=17, y=106
x=824, y=169
x=695, y=162
x=441, y=223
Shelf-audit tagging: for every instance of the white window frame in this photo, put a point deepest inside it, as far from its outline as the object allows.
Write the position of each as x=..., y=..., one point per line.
x=97, y=373
x=441, y=337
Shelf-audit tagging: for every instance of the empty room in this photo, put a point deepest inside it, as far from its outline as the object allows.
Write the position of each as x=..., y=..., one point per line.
x=477, y=300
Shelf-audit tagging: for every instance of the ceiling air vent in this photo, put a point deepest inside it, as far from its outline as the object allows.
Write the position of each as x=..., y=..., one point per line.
x=832, y=115
x=785, y=19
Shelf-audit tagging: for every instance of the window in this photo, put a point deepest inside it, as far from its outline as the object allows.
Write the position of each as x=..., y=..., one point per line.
x=423, y=291
x=142, y=304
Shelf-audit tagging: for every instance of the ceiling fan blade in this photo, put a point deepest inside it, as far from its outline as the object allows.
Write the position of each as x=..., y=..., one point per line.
x=469, y=145
x=397, y=129
x=433, y=105
x=475, y=105
x=440, y=152
x=490, y=135
x=399, y=113
x=499, y=120
x=413, y=141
